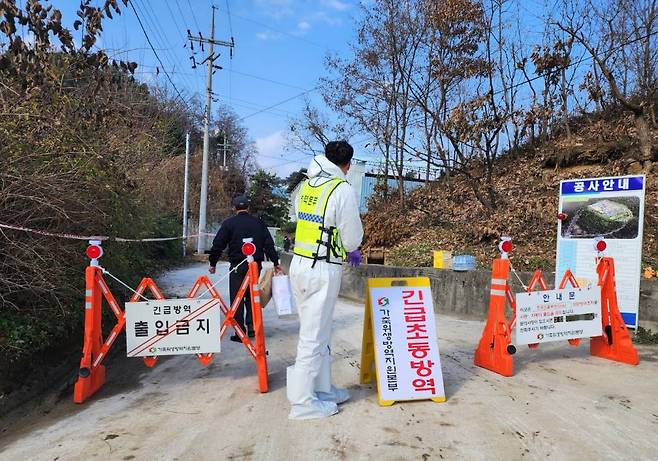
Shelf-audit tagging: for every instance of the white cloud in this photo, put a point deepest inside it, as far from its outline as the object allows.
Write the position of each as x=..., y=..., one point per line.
x=276, y=9
x=273, y=156
x=337, y=4
x=268, y=36
x=330, y=20
x=271, y=145
x=303, y=27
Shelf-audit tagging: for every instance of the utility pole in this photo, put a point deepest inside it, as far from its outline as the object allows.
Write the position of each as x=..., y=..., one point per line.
x=224, y=147
x=185, y=190
x=211, y=42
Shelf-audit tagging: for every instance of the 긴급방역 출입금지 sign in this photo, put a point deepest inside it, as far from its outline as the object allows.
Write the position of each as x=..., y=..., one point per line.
x=173, y=327
x=611, y=208
x=558, y=315
x=405, y=343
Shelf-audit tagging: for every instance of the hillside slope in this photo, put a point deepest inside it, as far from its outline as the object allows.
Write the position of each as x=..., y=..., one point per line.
x=446, y=215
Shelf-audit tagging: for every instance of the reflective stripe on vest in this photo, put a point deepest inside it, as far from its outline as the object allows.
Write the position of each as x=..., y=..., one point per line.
x=311, y=233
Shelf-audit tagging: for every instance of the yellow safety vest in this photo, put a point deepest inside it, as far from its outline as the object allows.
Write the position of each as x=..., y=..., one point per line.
x=311, y=231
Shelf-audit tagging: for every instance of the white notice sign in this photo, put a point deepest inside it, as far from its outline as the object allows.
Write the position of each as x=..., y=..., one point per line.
x=173, y=327
x=406, y=350
x=558, y=315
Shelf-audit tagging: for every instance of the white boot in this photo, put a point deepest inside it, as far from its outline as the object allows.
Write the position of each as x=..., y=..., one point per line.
x=304, y=403
x=323, y=387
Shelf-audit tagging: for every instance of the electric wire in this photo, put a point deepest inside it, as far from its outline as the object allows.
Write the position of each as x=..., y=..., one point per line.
x=280, y=103
x=159, y=35
x=148, y=39
x=296, y=37
x=265, y=79
x=193, y=16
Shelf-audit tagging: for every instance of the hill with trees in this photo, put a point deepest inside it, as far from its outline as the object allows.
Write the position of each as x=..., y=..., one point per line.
x=492, y=102
x=87, y=149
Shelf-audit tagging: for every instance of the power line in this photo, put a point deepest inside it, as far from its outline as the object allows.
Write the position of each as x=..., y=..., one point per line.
x=230, y=65
x=193, y=15
x=198, y=78
x=172, y=57
x=158, y=37
x=296, y=37
x=265, y=79
x=230, y=23
x=254, y=106
x=280, y=103
x=156, y=53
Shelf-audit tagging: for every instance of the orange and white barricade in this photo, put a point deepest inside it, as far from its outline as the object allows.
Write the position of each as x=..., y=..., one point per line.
x=495, y=350
x=91, y=375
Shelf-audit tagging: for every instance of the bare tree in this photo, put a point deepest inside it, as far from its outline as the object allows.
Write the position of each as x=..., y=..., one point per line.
x=374, y=88
x=610, y=29
x=310, y=132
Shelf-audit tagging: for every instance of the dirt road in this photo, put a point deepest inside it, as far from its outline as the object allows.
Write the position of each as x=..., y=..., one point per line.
x=561, y=404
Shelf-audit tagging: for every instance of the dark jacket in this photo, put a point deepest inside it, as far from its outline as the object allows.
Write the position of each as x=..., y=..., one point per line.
x=238, y=227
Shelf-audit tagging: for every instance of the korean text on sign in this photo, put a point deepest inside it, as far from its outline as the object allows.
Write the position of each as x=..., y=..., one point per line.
x=172, y=327
x=408, y=363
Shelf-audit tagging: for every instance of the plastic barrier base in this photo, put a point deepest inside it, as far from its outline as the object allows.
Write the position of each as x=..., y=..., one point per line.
x=85, y=387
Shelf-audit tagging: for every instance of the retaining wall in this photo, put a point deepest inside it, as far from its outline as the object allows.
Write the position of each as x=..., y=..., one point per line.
x=465, y=293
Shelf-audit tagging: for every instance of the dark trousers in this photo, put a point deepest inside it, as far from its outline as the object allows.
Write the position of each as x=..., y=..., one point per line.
x=243, y=313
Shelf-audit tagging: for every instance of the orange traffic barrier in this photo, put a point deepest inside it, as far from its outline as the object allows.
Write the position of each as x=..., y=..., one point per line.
x=616, y=343
x=495, y=349
x=91, y=374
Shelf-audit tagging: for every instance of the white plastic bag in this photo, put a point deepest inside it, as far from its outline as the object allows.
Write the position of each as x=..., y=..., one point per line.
x=282, y=295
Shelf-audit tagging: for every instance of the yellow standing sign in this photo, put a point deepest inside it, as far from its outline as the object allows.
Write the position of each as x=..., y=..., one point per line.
x=400, y=342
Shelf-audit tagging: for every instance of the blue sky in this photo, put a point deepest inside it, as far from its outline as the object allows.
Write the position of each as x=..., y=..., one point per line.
x=280, y=46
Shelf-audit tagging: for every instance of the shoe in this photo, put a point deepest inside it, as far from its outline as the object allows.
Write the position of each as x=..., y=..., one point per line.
x=304, y=403
x=314, y=409
x=326, y=391
x=251, y=333
x=235, y=339
x=336, y=395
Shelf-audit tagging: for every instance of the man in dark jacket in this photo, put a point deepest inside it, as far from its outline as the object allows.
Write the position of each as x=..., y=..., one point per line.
x=232, y=233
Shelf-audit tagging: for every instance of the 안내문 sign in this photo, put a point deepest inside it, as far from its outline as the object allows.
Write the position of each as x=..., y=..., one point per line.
x=558, y=315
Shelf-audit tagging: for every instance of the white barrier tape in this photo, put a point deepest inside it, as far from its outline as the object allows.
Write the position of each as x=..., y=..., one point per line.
x=525, y=287
x=124, y=284
x=101, y=237
x=223, y=277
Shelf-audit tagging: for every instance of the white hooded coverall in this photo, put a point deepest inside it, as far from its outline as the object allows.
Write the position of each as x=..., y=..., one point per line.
x=315, y=288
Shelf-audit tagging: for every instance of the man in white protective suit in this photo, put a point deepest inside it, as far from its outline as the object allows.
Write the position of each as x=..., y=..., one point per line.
x=329, y=231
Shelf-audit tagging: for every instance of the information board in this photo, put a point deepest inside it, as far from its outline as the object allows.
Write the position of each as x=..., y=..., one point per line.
x=558, y=315
x=173, y=327
x=612, y=208
x=406, y=351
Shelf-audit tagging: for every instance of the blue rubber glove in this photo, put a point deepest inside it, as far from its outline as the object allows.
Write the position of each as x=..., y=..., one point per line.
x=354, y=258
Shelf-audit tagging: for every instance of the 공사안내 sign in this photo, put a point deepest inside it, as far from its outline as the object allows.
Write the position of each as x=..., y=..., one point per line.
x=173, y=327
x=611, y=208
x=558, y=315
x=406, y=349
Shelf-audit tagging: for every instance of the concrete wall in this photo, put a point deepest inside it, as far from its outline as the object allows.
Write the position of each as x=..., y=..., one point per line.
x=465, y=293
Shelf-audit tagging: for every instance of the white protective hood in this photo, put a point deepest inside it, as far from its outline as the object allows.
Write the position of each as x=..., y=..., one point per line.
x=320, y=166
